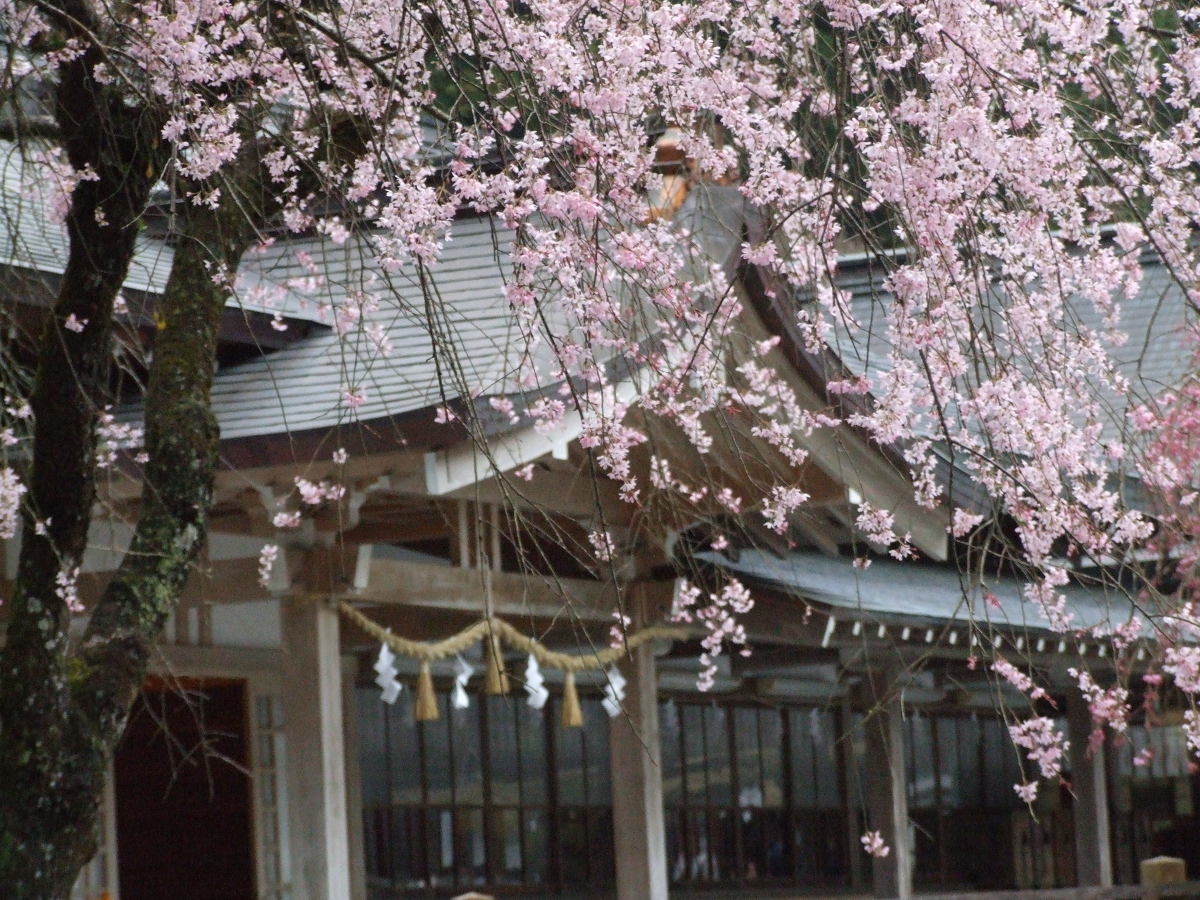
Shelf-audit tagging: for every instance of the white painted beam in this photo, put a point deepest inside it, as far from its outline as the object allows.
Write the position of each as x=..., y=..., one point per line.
x=394, y=582
x=468, y=463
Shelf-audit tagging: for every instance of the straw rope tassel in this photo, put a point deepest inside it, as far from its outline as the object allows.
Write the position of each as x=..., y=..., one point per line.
x=495, y=678
x=572, y=712
x=427, y=705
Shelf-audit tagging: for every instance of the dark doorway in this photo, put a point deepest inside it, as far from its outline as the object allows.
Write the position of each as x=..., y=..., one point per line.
x=184, y=826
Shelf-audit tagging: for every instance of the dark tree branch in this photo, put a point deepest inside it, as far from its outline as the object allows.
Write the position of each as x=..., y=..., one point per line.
x=19, y=129
x=181, y=440
x=50, y=771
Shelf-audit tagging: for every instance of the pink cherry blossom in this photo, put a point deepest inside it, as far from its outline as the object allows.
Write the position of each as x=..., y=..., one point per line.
x=874, y=844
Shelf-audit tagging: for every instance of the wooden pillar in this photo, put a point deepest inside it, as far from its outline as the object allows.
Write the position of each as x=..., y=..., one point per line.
x=1089, y=784
x=316, y=773
x=852, y=795
x=354, y=812
x=639, y=837
x=887, y=790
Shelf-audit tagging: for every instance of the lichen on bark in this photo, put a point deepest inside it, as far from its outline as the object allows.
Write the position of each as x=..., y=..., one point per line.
x=63, y=708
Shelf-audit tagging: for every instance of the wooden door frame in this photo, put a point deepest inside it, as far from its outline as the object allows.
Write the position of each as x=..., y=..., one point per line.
x=260, y=671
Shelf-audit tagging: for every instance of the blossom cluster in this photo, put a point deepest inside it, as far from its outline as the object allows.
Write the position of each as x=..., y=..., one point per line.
x=1004, y=165
x=719, y=612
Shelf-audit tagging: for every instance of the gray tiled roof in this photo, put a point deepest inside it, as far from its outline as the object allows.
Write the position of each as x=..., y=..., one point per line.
x=299, y=387
x=888, y=590
x=301, y=278
x=1155, y=356
x=459, y=304
x=31, y=239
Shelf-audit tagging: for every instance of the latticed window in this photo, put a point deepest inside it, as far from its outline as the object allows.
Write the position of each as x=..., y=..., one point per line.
x=961, y=772
x=269, y=759
x=752, y=794
x=1154, y=795
x=494, y=794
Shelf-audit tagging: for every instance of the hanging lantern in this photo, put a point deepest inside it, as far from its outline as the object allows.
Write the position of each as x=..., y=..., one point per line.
x=427, y=705
x=572, y=712
x=495, y=678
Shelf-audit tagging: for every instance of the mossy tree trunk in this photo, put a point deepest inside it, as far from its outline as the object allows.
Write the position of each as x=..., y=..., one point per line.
x=62, y=709
x=47, y=797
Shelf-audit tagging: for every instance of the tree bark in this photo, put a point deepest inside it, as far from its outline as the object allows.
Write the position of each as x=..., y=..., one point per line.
x=58, y=736
x=62, y=711
x=43, y=788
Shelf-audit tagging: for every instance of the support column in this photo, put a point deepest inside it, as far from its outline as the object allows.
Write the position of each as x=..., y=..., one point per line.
x=852, y=795
x=636, y=750
x=316, y=774
x=1089, y=784
x=887, y=791
x=354, y=812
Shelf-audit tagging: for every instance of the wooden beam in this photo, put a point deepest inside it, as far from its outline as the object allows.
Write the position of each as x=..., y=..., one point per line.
x=887, y=797
x=468, y=463
x=420, y=528
x=636, y=760
x=810, y=530
x=569, y=493
x=1090, y=813
x=849, y=458
x=170, y=660
x=228, y=581
x=423, y=585
x=230, y=482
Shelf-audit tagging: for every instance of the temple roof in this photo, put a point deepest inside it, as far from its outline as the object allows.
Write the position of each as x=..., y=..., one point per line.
x=888, y=591
x=1156, y=355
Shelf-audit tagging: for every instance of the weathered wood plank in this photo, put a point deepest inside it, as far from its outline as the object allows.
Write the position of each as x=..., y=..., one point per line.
x=395, y=582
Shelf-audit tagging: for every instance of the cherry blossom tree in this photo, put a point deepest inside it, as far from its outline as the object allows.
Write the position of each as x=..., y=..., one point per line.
x=1006, y=163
